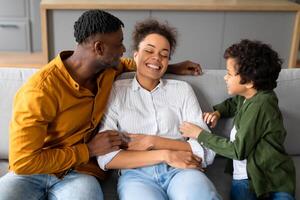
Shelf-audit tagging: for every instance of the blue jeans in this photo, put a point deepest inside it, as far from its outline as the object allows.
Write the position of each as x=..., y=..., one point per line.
x=240, y=190
x=162, y=182
x=43, y=186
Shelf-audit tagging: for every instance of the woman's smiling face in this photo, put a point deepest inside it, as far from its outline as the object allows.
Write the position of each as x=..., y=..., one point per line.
x=152, y=57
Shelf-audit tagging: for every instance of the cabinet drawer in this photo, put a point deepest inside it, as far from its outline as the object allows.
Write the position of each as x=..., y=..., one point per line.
x=14, y=36
x=13, y=8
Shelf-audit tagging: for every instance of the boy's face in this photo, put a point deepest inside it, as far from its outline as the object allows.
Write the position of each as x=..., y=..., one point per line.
x=232, y=79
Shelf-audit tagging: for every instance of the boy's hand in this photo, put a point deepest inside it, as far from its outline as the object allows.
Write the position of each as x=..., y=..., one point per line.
x=211, y=118
x=190, y=130
x=185, y=68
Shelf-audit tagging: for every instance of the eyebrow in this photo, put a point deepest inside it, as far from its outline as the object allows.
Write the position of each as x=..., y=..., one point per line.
x=154, y=47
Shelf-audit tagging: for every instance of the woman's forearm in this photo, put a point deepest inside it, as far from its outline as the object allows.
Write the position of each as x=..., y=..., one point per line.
x=161, y=143
x=134, y=159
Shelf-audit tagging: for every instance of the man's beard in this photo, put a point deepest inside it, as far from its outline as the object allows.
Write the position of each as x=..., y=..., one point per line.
x=112, y=64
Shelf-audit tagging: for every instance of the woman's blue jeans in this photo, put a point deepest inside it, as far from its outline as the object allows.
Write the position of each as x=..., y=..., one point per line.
x=162, y=182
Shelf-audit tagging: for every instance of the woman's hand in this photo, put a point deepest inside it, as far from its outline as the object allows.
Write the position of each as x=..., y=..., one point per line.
x=211, y=118
x=141, y=142
x=190, y=130
x=182, y=159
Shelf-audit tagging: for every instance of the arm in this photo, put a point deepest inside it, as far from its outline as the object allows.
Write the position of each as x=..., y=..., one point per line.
x=250, y=128
x=228, y=107
x=134, y=159
x=193, y=114
x=153, y=142
x=183, y=68
x=28, y=132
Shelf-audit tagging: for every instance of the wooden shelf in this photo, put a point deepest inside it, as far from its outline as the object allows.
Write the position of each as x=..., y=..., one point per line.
x=27, y=60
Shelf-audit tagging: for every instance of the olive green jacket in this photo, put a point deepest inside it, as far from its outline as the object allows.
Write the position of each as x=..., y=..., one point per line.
x=259, y=139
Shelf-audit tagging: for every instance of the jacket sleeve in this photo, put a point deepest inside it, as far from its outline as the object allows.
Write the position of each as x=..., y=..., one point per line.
x=33, y=111
x=249, y=131
x=228, y=107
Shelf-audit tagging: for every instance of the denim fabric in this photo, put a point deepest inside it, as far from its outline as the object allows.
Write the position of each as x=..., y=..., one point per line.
x=162, y=182
x=281, y=196
x=240, y=190
x=74, y=185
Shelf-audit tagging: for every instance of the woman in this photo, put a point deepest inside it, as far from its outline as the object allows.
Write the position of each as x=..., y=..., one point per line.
x=158, y=163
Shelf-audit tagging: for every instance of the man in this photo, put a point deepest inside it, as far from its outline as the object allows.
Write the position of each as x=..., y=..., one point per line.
x=53, y=141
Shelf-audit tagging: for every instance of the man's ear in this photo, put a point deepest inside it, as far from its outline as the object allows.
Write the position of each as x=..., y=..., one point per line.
x=99, y=47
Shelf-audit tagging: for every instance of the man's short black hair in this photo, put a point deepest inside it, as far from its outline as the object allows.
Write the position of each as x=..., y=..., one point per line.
x=256, y=62
x=92, y=22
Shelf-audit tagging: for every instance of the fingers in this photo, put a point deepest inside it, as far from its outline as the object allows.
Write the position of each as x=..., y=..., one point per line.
x=210, y=118
x=192, y=162
x=184, y=129
x=193, y=68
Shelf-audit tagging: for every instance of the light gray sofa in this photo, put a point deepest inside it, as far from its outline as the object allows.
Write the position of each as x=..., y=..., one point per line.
x=209, y=88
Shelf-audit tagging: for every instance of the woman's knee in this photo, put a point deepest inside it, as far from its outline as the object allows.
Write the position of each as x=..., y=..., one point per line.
x=192, y=184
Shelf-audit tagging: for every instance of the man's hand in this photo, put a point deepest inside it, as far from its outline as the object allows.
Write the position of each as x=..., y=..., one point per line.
x=182, y=159
x=104, y=142
x=140, y=142
x=185, y=68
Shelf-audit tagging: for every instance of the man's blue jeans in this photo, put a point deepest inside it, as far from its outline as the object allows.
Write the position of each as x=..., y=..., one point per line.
x=162, y=182
x=240, y=190
x=43, y=186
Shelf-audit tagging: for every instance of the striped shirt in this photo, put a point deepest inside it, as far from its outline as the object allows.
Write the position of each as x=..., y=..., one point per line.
x=159, y=112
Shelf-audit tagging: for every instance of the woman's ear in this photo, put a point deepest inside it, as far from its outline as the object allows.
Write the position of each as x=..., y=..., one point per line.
x=99, y=47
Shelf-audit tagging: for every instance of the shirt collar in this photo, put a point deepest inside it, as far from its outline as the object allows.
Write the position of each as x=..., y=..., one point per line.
x=136, y=85
x=62, y=56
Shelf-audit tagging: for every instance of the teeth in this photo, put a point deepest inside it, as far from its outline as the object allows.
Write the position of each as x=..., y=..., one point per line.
x=153, y=66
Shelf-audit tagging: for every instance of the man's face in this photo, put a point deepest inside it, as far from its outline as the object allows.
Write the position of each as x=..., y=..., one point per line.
x=113, y=48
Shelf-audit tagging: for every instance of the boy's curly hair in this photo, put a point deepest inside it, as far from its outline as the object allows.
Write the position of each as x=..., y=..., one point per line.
x=92, y=22
x=256, y=62
x=150, y=26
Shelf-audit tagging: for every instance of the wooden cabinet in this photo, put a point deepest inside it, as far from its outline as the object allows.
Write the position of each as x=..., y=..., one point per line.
x=20, y=26
x=206, y=28
x=20, y=33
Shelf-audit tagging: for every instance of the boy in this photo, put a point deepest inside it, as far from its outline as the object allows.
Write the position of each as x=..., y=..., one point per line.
x=260, y=163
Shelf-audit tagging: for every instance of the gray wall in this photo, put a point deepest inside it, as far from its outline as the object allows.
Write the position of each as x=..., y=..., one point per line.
x=203, y=36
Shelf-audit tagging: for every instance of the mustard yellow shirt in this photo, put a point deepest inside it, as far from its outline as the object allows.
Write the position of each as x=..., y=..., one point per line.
x=54, y=117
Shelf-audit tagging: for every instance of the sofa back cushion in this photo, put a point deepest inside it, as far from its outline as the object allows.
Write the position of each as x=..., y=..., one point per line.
x=10, y=81
x=288, y=92
x=209, y=88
